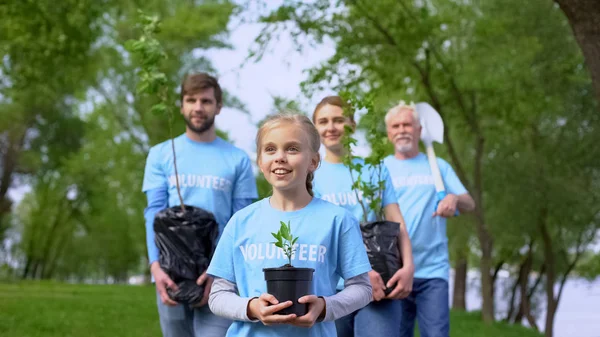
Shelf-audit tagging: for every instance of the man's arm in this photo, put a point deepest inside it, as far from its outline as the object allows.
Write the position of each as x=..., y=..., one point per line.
x=447, y=207
x=156, y=188
x=465, y=203
x=157, y=201
x=244, y=188
x=239, y=203
x=457, y=198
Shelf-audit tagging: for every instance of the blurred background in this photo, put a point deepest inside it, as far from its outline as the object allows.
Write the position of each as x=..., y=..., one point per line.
x=516, y=82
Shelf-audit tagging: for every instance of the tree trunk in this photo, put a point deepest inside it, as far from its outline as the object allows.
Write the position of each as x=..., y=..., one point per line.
x=584, y=18
x=525, y=307
x=460, y=283
x=8, y=161
x=27, y=267
x=550, y=273
x=487, y=285
x=520, y=314
x=513, y=296
x=517, y=286
x=485, y=240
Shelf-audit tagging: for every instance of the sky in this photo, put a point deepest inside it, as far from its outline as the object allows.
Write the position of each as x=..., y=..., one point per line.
x=279, y=73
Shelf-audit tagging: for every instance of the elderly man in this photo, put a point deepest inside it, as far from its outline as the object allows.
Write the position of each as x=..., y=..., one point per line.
x=426, y=222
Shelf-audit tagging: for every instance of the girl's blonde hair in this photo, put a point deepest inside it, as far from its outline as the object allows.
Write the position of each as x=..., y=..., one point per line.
x=295, y=118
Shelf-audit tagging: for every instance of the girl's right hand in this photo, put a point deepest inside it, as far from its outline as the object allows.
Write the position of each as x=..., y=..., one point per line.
x=264, y=307
x=377, y=285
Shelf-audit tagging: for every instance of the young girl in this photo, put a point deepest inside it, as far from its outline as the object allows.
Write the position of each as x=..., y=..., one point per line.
x=329, y=242
x=333, y=182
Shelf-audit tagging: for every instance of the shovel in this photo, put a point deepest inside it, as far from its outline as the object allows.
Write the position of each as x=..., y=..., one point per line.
x=432, y=131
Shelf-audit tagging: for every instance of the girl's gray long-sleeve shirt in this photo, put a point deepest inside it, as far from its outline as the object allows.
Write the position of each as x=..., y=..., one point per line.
x=224, y=299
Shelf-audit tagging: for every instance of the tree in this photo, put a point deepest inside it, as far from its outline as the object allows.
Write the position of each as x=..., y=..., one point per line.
x=46, y=66
x=102, y=133
x=584, y=17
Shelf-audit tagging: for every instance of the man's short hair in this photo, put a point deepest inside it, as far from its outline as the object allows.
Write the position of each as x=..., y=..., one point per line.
x=195, y=83
x=403, y=105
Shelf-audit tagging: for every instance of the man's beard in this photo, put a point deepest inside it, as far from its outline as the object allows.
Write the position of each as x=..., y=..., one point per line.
x=403, y=148
x=206, y=125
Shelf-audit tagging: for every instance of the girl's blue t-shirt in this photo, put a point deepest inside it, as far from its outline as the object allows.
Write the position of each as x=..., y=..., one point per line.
x=329, y=241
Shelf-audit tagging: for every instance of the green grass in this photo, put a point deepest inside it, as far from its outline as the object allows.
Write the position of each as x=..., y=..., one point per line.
x=32, y=309
x=469, y=324
x=52, y=309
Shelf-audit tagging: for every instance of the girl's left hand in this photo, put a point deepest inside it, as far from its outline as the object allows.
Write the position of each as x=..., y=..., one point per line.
x=316, y=306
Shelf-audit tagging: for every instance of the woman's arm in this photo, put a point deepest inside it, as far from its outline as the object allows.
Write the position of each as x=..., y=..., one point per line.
x=392, y=213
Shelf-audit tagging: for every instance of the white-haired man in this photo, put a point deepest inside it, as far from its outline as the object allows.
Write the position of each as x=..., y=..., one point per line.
x=426, y=222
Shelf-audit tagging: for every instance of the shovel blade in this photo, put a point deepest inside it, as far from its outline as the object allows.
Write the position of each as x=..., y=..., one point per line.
x=431, y=121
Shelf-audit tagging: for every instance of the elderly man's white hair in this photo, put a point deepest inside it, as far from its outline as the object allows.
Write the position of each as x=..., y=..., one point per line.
x=402, y=105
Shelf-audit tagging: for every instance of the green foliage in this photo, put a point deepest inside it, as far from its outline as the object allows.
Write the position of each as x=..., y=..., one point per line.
x=152, y=81
x=371, y=187
x=589, y=267
x=285, y=240
x=78, y=124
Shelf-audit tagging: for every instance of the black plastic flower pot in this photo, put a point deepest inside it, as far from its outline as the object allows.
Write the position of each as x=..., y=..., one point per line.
x=381, y=241
x=289, y=284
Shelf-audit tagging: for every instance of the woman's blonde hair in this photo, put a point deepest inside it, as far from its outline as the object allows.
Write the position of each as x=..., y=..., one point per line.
x=295, y=118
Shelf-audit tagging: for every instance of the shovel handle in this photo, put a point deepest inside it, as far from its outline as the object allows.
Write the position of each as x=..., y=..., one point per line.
x=437, y=176
x=435, y=169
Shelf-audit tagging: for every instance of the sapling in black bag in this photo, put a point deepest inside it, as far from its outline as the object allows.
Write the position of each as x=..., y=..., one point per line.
x=381, y=241
x=186, y=243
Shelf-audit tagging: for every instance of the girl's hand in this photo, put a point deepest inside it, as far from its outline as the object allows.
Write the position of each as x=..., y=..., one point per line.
x=316, y=307
x=377, y=285
x=262, y=308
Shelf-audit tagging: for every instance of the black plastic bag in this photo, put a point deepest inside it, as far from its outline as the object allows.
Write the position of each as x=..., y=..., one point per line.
x=186, y=243
x=381, y=241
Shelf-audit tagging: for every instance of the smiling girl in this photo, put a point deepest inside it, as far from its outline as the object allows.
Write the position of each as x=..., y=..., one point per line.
x=333, y=182
x=287, y=154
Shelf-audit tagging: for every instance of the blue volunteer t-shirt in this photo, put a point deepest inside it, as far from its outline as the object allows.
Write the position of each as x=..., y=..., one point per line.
x=211, y=175
x=417, y=198
x=329, y=242
x=333, y=182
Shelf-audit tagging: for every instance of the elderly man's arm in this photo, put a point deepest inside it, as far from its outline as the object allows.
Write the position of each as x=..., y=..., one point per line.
x=465, y=203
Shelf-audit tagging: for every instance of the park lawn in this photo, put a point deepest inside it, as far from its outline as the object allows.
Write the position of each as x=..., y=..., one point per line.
x=46, y=309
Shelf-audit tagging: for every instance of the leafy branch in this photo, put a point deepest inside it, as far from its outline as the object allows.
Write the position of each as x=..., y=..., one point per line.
x=152, y=81
x=371, y=186
x=285, y=240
